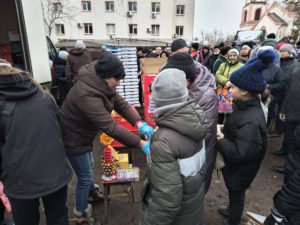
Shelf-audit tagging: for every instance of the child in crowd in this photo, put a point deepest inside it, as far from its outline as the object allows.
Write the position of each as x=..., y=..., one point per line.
x=174, y=189
x=243, y=140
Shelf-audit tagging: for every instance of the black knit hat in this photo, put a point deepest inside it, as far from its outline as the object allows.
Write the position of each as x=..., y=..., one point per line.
x=224, y=50
x=184, y=62
x=195, y=45
x=178, y=44
x=146, y=50
x=248, y=43
x=271, y=36
x=108, y=65
x=221, y=45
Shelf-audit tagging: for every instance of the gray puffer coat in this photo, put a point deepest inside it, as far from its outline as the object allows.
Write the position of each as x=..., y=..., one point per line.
x=173, y=193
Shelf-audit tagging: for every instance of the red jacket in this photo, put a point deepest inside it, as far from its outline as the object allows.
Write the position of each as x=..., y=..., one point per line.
x=197, y=56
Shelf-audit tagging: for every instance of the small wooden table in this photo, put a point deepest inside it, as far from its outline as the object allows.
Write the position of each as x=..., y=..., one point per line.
x=107, y=196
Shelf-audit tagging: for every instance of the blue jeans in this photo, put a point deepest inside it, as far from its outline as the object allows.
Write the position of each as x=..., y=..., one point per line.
x=83, y=167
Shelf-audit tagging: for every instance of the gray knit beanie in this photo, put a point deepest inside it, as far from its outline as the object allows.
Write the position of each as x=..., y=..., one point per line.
x=80, y=44
x=288, y=48
x=169, y=89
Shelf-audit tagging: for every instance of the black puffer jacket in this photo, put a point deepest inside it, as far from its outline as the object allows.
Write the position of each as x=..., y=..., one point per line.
x=275, y=78
x=59, y=71
x=32, y=150
x=287, y=200
x=291, y=105
x=175, y=192
x=286, y=63
x=244, y=144
x=211, y=62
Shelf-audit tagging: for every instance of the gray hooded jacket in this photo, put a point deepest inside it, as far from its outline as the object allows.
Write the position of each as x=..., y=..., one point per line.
x=173, y=193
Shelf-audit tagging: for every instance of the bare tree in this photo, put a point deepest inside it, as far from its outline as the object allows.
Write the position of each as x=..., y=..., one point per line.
x=229, y=38
x=220, y=37
x=294, y=6
x=202, y=35
x=214, y=36
x=57, y=10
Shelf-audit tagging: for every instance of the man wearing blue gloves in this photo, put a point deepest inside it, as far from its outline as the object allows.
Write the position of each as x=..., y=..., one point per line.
x=86, y=111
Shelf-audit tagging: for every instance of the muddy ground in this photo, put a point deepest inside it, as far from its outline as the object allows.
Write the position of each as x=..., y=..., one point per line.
x=258, y=198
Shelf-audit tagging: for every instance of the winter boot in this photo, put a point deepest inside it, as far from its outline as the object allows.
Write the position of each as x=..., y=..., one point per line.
x=85, y=218
x=224, y=211
x=95, y=195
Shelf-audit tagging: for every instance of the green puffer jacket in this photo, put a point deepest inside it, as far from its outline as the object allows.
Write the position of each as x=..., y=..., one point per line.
x=173, y=193
x=225, y=70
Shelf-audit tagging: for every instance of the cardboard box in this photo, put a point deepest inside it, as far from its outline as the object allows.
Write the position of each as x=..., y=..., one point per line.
x=152, y=65
x=123, y=161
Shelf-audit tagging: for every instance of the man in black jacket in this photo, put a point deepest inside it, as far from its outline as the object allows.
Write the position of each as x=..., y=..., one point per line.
x=287, y=61
x=287, y=200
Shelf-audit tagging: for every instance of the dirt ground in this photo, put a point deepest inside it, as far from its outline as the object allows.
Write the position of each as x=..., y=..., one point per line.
x=258, y=197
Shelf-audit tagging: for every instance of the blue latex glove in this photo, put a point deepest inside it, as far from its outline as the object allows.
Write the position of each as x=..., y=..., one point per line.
x=146, y=130
x=146, y=148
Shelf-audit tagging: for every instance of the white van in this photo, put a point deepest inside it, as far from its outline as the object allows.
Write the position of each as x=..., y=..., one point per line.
x=22, y=38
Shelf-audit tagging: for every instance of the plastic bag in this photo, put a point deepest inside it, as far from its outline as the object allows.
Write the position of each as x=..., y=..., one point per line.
x=224, y=99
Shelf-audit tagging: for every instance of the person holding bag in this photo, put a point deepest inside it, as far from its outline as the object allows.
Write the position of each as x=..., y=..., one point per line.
x=222, y=78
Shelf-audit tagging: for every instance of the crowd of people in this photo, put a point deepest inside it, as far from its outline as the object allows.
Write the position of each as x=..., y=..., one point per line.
x=208, y=100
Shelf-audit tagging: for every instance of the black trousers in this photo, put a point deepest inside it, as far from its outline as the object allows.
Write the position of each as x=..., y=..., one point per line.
x=289, y=136
x=2, y=212
x=236, y=206
x=26, y=212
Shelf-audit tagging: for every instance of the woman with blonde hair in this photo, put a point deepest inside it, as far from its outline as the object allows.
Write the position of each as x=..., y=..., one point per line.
x=33, y=159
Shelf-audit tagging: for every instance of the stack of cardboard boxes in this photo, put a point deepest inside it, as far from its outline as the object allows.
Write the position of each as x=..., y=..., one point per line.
x=129, y=86
x=150, y=67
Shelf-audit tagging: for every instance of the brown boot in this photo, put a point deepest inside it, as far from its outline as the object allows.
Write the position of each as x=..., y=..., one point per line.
x=95, y=195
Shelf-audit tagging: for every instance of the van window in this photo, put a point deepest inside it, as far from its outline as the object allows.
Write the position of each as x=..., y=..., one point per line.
x=51, y=50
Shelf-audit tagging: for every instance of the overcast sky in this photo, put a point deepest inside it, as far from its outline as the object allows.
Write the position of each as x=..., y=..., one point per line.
x=224, y=15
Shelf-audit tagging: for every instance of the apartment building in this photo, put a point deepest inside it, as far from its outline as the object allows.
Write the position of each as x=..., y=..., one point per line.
x=161, y=20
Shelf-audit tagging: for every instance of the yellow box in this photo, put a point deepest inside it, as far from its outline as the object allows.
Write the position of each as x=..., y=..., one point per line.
x=123, y=161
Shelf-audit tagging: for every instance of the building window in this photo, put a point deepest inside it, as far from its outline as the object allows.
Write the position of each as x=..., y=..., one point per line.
x=155, y=29
x=179, y=30
x=110, y=29
x=179, y=10
x=57, y=6
x=156, y=7
x=60, y=29
x=133, y=29
x=245, y=16
x=132, y=6
x=86, y=6
x=109, y=6
x=257, y=14
x=88, y=28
